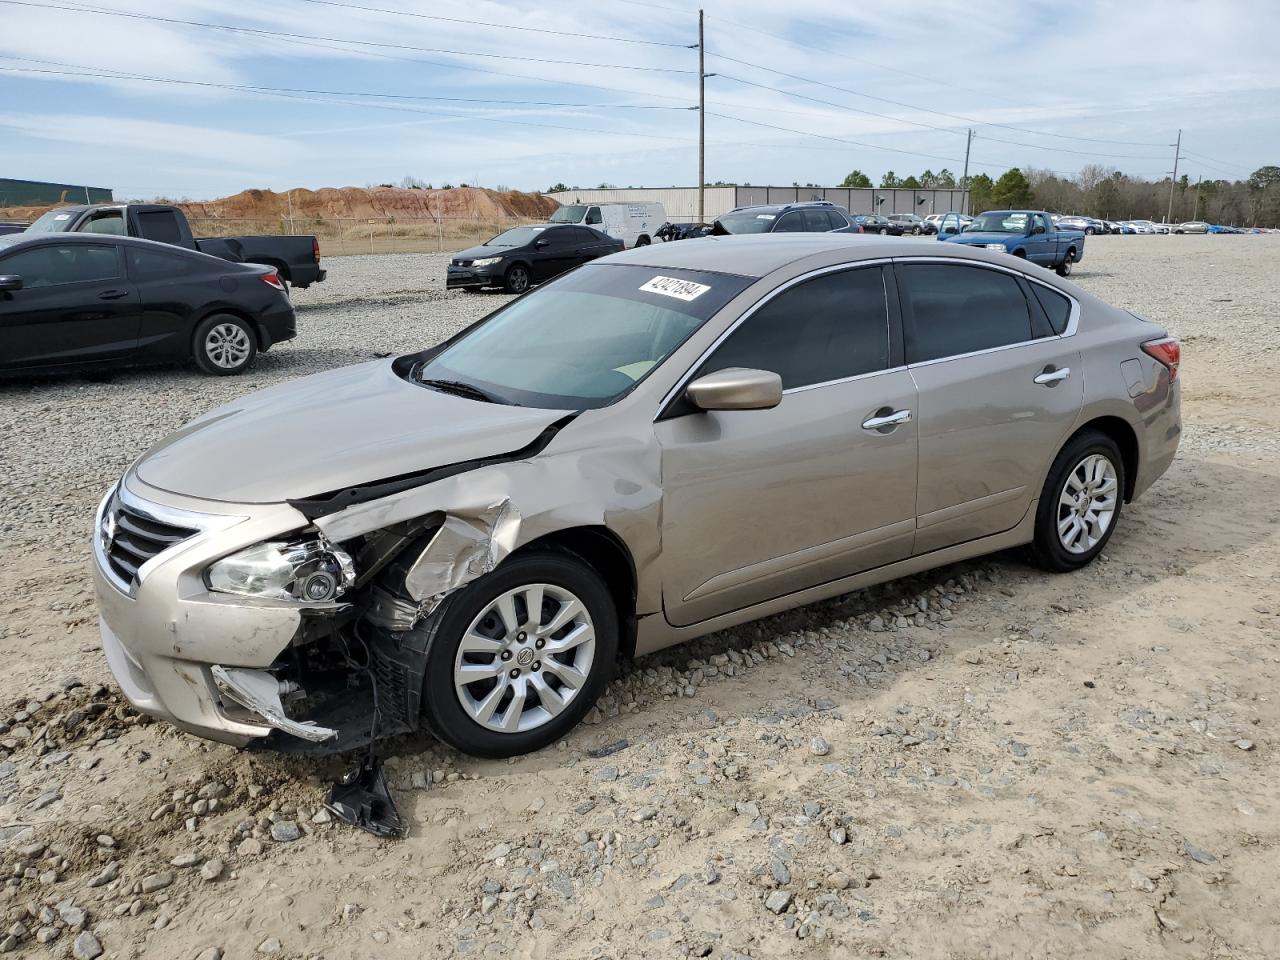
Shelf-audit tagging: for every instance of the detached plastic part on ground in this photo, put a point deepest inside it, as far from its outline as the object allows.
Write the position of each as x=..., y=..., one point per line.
x=361, y=798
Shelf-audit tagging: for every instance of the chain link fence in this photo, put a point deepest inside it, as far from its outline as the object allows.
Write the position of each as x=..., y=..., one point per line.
x=341, y=236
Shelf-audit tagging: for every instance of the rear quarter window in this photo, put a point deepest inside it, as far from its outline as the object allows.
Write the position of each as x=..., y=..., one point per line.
x=1056, y=307
x=160, y=225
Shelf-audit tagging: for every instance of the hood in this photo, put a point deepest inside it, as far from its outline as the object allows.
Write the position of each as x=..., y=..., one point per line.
x=985, y=237
x=336, y=429
x=477, y=253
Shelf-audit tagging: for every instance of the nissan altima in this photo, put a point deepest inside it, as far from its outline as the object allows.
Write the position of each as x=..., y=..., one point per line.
x=660, y=444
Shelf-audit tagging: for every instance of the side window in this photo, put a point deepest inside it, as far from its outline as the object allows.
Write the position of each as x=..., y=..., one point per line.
x=837, y=220
x=1056, y=307
x=111, y=224
x=828, y=328
x=160, y=225
x=816, y=221
x=593, y=215
x=49, y=266
x=952, y=309
x=1042, y=222
x=792, y=222
x=156, y=265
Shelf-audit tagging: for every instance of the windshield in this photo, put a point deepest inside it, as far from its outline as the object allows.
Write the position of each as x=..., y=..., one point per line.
x=55, y=221
x=999, y=223
x=748, y=221
x=586, y=339
x=570, y=214
x=515, y=237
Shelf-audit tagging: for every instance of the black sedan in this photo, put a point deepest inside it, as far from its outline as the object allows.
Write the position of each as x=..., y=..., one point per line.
x=874, y=223
x=72, y=301
x=523, y=256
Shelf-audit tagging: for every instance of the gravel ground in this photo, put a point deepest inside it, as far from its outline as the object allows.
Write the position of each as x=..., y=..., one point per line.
x=984, y=761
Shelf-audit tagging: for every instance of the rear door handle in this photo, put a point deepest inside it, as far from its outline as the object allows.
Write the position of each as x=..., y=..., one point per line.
x=881, y=421
x=1051, y=377
x=113, y=294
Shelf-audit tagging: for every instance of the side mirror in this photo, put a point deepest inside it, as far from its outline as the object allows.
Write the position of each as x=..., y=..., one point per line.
x=10, y=282
x=736, y=389
x=541, y=243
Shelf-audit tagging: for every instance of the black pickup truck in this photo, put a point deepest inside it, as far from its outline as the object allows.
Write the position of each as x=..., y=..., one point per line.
x=296, y=259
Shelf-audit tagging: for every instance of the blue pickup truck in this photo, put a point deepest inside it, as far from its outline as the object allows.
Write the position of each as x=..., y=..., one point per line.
x=1029, y=234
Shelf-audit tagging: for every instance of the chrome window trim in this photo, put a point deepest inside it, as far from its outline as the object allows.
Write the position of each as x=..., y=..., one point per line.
x=202, y=523
x=1073, y=321
x=687, y=376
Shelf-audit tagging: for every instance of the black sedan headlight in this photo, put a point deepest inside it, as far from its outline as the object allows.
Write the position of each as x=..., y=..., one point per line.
x=308, y=571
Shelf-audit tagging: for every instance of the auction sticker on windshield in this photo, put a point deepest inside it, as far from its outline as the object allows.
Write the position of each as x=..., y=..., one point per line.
x=685, y=290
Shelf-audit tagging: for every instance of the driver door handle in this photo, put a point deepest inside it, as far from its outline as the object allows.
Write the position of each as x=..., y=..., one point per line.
x=113, y=294
x=881, y=421
x=1051, y=377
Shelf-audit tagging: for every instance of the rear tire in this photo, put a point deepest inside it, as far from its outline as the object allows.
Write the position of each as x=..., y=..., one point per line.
x=1064, y=268
x=1080, y=504
x=224, y=345
x=915, y=231
x=642, y=241
x=884, y=231
x=459, y=711
x=517, y=279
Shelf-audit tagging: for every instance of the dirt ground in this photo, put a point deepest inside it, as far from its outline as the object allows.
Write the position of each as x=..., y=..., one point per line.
x=981, y=762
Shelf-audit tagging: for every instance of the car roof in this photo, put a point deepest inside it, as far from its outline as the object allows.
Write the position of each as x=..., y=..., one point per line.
x=758, y=255
x=12, y=241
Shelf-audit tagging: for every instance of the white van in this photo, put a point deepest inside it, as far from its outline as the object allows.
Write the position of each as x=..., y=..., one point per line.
x=633, y=223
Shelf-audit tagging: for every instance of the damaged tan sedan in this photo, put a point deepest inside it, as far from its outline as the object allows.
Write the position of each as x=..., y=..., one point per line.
x=657, y=445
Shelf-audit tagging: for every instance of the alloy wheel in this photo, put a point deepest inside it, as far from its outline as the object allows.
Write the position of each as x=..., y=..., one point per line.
x=524, y=658
x=227, y=346
x=1087, y=504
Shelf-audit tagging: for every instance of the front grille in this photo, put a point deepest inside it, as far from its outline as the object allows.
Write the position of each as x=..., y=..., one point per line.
x=131, y=538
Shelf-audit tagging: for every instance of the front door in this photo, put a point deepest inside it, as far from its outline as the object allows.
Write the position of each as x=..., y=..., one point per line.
x=75, y=306
x=758, y=504
x=996, y=400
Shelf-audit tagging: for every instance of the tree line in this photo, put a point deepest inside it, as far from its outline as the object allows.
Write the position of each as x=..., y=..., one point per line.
x=1107, y=193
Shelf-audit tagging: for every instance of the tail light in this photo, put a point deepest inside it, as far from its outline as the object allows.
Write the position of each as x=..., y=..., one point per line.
x=272, y=279
x=1168, y=352
x=315, y=249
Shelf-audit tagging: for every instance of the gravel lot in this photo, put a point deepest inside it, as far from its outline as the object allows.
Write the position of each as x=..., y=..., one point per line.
x=985, y=761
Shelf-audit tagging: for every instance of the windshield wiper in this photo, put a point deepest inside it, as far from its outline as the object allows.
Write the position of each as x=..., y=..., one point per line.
x=462, y=389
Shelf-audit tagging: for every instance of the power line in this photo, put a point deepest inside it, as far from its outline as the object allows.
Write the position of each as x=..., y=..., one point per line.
x=930, y=126
x=485, y=23
x=1221, y=163
x=912, y=106
x=84, y=71
x=255, y=31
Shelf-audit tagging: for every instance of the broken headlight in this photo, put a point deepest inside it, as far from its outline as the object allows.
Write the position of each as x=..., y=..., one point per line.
x=310, y=571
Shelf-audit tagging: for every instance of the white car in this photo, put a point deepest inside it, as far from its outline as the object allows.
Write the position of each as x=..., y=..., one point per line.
x=1144, y=226
x=635, y=224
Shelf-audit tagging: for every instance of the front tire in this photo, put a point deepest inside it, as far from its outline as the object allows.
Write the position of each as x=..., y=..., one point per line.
x=642, y=241
x=1064, y=268
x=504, y=678
x=915, y=231
x=224, y=345
x=517, y=279
x=1080, y=504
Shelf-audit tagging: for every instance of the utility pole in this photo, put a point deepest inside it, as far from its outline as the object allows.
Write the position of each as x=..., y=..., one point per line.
x=1173, y=178
x=702, y=120
x=964, y=178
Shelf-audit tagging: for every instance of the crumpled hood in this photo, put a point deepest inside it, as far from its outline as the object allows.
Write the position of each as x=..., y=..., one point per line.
x=331, y=430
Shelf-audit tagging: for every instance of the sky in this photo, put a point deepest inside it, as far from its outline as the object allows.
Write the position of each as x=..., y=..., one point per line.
x=123, y=94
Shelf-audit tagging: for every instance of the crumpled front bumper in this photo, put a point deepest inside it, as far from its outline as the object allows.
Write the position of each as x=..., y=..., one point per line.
x=163, y=632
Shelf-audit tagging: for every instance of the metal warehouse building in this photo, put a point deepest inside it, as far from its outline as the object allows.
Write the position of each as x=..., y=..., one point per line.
x=21, y=193
x=681, y=203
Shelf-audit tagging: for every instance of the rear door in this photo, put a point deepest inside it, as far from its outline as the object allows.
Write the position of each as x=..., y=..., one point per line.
x=762, y=503
x=75, y=306
x=1000, y=391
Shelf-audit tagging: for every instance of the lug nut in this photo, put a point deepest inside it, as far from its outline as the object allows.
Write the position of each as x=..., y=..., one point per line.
x=540, y=643
x=522, y=636
x=506, y=654
x=537, y=665
x=515, y=673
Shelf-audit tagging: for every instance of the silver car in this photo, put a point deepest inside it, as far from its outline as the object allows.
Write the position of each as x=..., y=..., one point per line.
x=657, y=445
